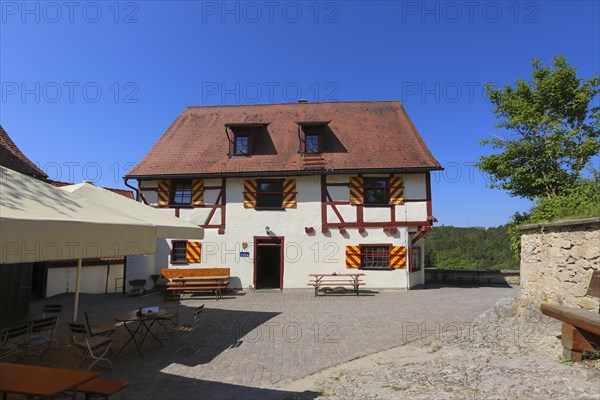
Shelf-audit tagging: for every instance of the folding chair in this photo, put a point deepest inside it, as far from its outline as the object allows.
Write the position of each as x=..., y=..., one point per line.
x=188, y=331
x=13, y=341
x=87, y=345
x=104, y=330
x=171, y=304
x=41, y=335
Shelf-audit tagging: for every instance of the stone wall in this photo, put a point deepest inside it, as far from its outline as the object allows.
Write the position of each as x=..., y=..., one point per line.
x=557, y=260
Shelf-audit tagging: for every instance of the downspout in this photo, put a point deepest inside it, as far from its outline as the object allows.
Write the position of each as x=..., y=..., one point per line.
x=138, y=193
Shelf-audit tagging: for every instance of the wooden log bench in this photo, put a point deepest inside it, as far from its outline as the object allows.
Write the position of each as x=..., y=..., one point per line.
x=580, y=328
x=185, y=280
x=336, y=280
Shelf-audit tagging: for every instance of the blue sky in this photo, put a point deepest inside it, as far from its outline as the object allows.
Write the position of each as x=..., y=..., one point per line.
x=88, y=87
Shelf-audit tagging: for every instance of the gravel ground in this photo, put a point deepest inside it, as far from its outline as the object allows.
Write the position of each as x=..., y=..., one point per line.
x=495, y=357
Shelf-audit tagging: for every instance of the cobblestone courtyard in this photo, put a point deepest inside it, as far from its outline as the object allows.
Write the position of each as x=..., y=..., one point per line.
x=254, y=343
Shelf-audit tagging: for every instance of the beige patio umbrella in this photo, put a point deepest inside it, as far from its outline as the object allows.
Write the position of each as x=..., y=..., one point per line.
x=39, y=222
x=168, y=226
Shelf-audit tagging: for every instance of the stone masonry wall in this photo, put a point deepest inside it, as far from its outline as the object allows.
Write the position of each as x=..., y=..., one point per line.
x=557, y=260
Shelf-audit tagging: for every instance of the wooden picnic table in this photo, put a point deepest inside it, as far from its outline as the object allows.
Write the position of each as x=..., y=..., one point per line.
x=34, y=381
x=339, y=280
x=143, y=326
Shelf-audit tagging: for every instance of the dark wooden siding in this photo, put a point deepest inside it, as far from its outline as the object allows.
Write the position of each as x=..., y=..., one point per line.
x=15, y=290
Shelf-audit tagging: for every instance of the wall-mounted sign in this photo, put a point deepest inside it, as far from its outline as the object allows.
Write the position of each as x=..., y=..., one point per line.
x=244, y=254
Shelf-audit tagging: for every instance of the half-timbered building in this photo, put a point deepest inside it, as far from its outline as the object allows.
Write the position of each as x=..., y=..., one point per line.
x=285, y=190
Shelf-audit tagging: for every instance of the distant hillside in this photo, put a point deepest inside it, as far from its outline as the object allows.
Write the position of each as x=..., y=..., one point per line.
x=469, y=248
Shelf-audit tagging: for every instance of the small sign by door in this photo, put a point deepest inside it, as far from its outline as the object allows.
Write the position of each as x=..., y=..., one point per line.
x=244, y=254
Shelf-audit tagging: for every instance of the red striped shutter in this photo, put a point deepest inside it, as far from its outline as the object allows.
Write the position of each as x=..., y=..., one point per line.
x=192, y=252
x=398, y=257
x=356, y=190
x=396, y=190
x=352, y=256
x=289, y=193
x=197, y=192
x=250, y=189
x=164, y=193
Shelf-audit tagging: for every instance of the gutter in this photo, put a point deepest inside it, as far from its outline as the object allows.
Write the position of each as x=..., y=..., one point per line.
x=285, y=173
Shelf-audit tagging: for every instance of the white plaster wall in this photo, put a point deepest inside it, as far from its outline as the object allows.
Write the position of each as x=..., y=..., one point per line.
x=304, y=253
x=418, y=277
x=93, y=279
x=414, y=186
x=151, y=196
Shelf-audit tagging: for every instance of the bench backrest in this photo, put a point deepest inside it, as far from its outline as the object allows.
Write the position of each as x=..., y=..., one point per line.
x=594, y=288
x=170, y=273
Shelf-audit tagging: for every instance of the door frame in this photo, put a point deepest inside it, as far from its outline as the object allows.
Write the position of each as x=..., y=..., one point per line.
x=258, y=239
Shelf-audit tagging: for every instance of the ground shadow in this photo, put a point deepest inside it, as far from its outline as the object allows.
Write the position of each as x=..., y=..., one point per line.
x=163, y=373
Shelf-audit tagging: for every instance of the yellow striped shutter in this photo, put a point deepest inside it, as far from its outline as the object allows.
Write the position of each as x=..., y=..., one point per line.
x=398, y=257
x=197, y=192
x=356, y=190
x=250, y=190
x=164, y=192
x=192, y=252
x=396, y=190
x=289, y=193
x=352, y=256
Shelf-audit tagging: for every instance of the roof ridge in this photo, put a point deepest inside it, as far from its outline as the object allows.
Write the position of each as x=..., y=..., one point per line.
x=298, y=104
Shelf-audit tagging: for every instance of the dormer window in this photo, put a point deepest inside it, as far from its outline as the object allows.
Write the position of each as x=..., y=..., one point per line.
x=243, y=138
x=311, y=143
x=311, y=135
x=241, y=145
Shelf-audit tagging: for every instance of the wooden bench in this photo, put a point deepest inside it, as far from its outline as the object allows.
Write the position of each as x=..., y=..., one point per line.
x=336, y=280
x=196, y=279
x=101, y=388
x=580, y=328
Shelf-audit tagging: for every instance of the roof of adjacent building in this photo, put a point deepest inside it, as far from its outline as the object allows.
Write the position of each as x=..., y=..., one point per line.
x=122, y=192
x=362, y=136
x=11, y=157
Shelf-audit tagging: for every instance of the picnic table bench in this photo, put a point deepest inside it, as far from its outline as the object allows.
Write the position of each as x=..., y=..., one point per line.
x=580, y=328
x=196, y=279
x=336, y=280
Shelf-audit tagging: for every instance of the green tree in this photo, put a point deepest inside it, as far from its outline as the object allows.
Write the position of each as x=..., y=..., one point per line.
x=554, y=131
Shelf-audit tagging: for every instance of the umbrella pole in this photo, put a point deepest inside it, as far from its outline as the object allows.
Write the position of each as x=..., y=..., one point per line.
x=77, y=282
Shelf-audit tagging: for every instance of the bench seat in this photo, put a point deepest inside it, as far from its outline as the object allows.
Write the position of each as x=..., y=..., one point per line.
x=580, y=328
x=190, y=287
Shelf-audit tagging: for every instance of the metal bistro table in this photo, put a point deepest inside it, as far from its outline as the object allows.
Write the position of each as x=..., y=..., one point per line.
x=143, y=324
x=34, y=381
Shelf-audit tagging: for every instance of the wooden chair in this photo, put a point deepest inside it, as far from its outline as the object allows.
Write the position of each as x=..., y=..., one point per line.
x=41, y=335
x=13, y=341
x=87, y=345
x=189, y=330
x=94, y=330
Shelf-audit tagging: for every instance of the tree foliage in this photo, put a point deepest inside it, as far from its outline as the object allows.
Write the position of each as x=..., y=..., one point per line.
x=582, y=200
x=554, y=131
x=469, y=248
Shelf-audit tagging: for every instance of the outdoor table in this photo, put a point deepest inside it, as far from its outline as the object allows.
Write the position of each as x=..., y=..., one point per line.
x=353, y=280
x=143, y=327
x=34, y=381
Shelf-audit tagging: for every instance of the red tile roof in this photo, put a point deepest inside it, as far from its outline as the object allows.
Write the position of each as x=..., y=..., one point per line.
x=11, y=157
x=375, y=135
x=122, y=192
